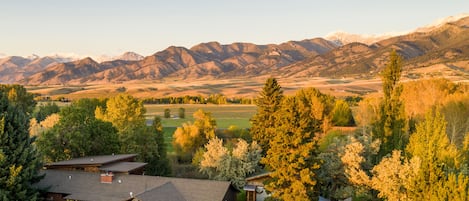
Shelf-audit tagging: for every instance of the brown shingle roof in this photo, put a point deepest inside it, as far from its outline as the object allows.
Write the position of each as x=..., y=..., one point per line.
x=122, y=166
x=87, y=186
x=93, y=160
x=166, y=192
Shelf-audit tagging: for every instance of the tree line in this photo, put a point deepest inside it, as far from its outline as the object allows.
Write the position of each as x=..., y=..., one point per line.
x=396, y=154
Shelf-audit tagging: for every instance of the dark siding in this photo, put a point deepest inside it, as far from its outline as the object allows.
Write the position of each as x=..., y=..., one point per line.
x=231, y=194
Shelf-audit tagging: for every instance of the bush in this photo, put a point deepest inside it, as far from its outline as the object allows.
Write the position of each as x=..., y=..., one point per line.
x=182, y=113
x=167, y=113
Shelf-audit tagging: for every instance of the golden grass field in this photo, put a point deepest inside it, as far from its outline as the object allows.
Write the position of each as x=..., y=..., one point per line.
x=347, y=86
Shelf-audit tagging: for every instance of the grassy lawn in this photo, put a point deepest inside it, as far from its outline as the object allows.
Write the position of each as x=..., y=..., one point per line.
x=168, y=138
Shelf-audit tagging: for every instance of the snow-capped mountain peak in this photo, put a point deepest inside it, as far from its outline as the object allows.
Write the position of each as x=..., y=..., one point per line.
x=343, y=38
x=440, y=22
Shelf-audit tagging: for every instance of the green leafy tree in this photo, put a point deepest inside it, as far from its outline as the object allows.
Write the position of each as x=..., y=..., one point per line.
x=78, y=133
x=332, y=180
x=220, y=163
x=342, y=114
x=390, y=128
x=19, y=160
x=127, y=114
x=394, y=177
x=43, y=111
x=144, y=142
x=124, y=112
x=206, y=124
x=456, y=113
x=36, y=128
x=192, y=136
x=90, y=104
x=263, y=122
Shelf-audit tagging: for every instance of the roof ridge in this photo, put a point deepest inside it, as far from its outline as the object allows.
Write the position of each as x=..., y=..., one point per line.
x=176, y=195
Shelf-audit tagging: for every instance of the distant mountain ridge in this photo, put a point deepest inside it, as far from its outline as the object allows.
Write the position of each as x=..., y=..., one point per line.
x=16, y=68
x=447, y=43
x=210, y=60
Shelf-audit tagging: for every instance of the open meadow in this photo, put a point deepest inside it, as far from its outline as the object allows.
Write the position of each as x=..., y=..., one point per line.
x=225, y=116
x=243, y=88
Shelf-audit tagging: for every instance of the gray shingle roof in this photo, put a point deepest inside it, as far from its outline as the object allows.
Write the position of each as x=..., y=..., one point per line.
x=166, y=192
x=87, y=186
x=94, y=160
x=122, y=166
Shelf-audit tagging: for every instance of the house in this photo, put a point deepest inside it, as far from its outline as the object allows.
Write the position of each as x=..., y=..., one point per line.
x=112, y=178
x=121, y=163
x=255, y=187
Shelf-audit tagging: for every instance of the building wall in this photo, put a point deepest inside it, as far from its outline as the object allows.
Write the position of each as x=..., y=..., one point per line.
x=231, y=194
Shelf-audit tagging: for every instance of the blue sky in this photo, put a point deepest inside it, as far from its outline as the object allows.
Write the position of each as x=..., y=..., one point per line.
x=111, y=27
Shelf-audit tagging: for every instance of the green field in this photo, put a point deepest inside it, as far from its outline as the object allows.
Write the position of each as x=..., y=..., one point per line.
x=225, y=116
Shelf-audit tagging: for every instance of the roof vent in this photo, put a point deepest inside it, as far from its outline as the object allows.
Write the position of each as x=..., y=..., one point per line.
x=131, y=194
x=91, y=159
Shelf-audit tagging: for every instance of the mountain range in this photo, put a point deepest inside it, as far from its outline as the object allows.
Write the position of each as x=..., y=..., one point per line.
x=447, y=44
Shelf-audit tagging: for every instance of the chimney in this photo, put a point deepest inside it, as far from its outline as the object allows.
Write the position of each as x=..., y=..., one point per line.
x=106, y=178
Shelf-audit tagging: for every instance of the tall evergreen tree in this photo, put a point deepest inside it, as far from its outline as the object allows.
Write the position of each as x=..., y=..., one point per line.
x=263, y=122
x=159, y=165
x=20, y=163
x=431, y=144
x=390, y=127
x=292, y=155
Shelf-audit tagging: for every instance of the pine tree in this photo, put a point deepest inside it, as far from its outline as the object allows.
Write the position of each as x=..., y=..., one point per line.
x=20, y=162
x=431, y=144
x=293, y=149
x=390, y=127
x=159, y=165
x=263, y=122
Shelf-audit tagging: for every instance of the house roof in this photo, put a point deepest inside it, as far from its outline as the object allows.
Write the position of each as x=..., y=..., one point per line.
x=166, y=192
x=81, y=185
x=93, y=160
x=88, y=196
x=122, y=166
